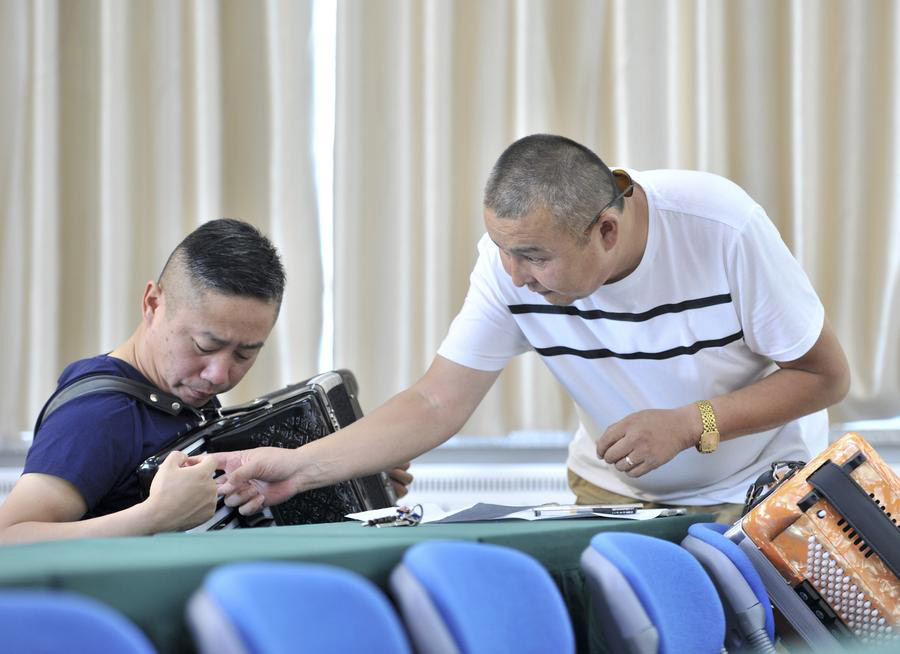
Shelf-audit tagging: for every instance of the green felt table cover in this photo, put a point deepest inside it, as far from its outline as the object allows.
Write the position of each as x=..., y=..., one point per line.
x=149, y=579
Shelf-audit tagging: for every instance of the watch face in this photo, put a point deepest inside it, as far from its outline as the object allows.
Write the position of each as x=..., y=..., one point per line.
x=709, y=441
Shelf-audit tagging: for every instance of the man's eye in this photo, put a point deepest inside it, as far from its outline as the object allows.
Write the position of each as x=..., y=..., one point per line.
x=241, y=357
x=537, y=260
x=201, y=350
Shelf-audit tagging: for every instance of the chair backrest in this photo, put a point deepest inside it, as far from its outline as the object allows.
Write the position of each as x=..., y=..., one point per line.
x=45, y=622
x=292, y=607
x=474, y=597
x=750, y=625
x=651, y=596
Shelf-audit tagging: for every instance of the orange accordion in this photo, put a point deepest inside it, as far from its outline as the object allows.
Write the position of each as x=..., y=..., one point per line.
x=827, y=546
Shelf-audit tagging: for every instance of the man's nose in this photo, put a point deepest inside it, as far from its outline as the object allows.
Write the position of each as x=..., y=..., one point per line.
x=217, y=370
x=516, y=270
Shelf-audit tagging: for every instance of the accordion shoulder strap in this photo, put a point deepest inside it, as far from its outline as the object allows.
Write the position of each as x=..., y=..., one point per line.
x=149, y=395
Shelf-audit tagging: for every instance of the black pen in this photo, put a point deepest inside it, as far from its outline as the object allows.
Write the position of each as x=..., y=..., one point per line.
x=586, y=509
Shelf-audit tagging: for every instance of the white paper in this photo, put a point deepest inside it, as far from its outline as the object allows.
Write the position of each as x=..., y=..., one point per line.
x=433, y=513
x=639, y=514
x=430, y=513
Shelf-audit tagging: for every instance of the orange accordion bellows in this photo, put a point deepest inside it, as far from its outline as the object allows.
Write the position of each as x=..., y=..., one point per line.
x=827, y=545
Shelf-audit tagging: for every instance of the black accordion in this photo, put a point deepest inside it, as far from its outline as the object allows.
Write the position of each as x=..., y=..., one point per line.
x=290, y=417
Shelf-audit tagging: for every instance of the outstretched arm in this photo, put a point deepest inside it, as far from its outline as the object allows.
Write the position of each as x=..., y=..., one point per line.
x=44, y=507
x=651, y=438
x=412, y=422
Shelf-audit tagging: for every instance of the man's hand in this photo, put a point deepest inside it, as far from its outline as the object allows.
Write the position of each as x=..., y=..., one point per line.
x=255, y=478
x=265, y=476
x=183, y=493
x=400, y=479
x=645, y=440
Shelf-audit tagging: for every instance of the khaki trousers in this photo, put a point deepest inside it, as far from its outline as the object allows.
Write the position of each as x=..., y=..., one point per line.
x=588, y=493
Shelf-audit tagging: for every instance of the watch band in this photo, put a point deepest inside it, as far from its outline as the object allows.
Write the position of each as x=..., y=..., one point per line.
x=707, y=415
x=709, y=439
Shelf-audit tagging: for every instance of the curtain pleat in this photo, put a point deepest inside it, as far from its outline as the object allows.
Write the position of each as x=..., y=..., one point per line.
x=126, y=125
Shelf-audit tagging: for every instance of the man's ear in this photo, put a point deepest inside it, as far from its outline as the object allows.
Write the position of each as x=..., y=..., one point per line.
x=608, y=228
x=151, y=301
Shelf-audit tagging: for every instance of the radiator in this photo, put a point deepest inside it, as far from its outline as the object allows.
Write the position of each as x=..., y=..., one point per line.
x=453, y=486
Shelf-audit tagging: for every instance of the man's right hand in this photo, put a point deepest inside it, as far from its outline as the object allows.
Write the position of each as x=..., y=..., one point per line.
x=183, y=493
x=265, y=476
x=255, y=478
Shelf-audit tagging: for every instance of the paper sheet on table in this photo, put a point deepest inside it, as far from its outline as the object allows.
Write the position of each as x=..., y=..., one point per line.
x=480, y=511
x=430, y=513
x=639, y=514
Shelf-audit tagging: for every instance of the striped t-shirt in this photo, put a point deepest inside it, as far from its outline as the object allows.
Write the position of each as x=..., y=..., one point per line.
x=716, y=298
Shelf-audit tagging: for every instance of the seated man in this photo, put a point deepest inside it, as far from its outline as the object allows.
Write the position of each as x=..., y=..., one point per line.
x=664, y=301
x=202, y=325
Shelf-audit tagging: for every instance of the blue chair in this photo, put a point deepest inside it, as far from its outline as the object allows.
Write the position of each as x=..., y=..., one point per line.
x=270, y=608
x=750, y=625
x=49, y=622
x=651, y=596
x=472, y=598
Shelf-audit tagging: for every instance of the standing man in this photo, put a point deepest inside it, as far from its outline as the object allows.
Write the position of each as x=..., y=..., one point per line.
x=665, y=302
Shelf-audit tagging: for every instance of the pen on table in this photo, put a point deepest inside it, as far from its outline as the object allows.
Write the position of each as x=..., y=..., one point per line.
x=587, y=510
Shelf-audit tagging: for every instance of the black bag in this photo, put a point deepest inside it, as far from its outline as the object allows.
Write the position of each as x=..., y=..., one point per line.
x=290, y=417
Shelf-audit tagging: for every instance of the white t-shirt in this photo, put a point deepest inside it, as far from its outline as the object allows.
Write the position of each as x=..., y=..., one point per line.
x=716, y=298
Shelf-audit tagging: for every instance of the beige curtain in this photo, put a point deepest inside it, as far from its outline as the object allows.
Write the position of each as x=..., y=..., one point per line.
x=796, y=101
x=425, y=101
x=123, y=126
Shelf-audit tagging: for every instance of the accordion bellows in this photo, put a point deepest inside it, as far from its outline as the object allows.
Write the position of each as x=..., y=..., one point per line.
x=846, y=580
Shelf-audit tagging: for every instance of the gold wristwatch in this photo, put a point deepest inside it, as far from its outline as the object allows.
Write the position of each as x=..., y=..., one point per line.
x=709, y=439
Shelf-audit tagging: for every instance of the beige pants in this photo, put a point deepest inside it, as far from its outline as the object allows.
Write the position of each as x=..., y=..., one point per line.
x=588, y=493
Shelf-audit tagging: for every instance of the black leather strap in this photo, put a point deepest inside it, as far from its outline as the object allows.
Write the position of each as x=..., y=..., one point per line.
x=147, y=394
x=853, y=503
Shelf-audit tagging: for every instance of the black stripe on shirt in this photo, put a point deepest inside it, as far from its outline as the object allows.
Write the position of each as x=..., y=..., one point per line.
x=597, y=314
x=603, y=353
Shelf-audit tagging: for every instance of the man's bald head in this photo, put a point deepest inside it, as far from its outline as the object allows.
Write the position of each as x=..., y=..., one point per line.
x=554, y=173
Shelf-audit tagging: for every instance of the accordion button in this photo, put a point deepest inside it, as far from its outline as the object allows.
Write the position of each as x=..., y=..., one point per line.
x=153, y=397
x=176, y=406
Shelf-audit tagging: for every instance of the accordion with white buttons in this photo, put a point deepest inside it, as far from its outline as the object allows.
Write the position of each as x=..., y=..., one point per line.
x=826, y=543
x=290, y=417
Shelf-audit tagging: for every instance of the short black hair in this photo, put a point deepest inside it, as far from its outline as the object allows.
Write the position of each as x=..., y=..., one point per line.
x=231, y=257
x=552, y=172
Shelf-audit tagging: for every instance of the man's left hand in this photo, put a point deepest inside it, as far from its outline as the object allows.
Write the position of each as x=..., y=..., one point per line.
x=400, y=479
x=645, y=440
